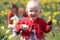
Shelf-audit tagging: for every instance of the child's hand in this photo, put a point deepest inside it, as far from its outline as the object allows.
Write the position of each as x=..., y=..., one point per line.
x=49, y=22
x=11, y=26
x=24, y=27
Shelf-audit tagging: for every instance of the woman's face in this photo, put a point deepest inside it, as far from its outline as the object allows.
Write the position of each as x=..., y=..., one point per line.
x=14, y=10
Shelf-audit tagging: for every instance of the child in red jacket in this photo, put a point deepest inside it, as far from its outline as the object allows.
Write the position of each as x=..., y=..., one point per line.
x=33, y=27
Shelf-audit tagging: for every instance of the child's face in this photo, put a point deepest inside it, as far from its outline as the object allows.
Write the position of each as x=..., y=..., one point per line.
x=33, y=9
x=33, y=12
x=20, y=13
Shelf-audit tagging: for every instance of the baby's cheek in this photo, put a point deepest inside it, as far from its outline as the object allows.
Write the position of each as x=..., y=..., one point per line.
x=29, y=13
x=37, y=14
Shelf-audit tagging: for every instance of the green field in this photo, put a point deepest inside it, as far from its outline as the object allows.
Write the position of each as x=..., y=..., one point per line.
x=49, y=9
x=53, y=35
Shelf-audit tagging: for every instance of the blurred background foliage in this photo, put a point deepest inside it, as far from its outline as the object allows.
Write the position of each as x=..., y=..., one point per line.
x=50, y=10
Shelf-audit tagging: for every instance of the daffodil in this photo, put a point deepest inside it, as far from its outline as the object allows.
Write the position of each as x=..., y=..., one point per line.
x=55, y=13
x=47, y=14
x=6, y=12
x=43, y=1
x=58, y=13
x=7, y=32
x=48, y=6
x=53, y=5
x=11, y=37
x=48, y=1
x=54, y=21
x=15, y=1
x=57, y=1
x=49, y=17
x=2, y=11
x=2, y=28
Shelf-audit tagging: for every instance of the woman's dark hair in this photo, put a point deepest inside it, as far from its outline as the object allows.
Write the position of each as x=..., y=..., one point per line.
x=12, y=6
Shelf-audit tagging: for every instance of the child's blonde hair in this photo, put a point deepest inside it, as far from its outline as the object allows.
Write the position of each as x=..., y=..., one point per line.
x=34, y=4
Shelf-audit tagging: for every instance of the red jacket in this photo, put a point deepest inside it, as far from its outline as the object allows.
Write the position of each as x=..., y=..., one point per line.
x=10, y=14
x=39, y=24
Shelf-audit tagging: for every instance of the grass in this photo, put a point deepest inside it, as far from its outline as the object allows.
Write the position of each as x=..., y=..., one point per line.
x=53, y=35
